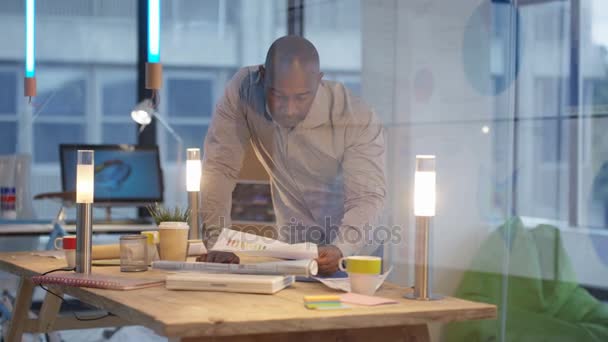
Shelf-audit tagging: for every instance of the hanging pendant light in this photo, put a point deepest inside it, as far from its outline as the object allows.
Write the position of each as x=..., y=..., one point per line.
x=154, y=69
x=30, y=46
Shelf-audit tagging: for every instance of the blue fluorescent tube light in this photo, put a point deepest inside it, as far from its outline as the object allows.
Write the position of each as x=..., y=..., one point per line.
x=153, y=31
x=30, y=12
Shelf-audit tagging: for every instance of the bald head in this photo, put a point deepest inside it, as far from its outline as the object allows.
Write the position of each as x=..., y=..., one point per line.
x=291, y=78
x=291, y=52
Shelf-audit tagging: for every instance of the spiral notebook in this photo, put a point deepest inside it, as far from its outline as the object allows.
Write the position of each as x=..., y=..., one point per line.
x=98, y=281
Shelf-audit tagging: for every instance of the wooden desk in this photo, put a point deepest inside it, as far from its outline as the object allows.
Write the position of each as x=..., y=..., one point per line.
x=217, y=316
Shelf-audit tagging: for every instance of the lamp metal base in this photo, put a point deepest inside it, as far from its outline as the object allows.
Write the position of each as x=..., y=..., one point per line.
x=411, y=296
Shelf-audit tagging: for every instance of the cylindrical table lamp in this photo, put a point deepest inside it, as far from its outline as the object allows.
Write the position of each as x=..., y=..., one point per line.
x=193, y=186
x=85, y=186
x=424, y=210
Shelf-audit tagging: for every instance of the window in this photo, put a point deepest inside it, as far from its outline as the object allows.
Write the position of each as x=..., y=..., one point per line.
x=118, y=88
x=550, y=96
x=549, y=25
x=59, y=111
x=8, y=111
x=332, y=14
x=119, y=97
x=192, y=136
x=81, y=43
x=206, y=41
x=87, y=83
x=190, y=97
x=49, y=136
x=194, y=11
x=67, y=100
x=8, y=132
x=187, y=107
x=334, y=27
x=593, y=166
x=543, y=130
x=123, y=133
x=8, y=95
x=550, y=103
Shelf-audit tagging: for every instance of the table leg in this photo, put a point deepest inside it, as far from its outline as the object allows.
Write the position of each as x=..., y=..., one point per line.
x=50, y=309
x=409, y=333
x=21, y=310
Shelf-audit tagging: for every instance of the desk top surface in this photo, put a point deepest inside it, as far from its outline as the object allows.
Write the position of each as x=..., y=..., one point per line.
x=199, y=313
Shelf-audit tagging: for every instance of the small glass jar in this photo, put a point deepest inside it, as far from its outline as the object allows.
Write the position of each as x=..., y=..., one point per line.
x=133, y=253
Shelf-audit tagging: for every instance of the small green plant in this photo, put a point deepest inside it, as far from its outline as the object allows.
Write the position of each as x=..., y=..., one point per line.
x=162, y=214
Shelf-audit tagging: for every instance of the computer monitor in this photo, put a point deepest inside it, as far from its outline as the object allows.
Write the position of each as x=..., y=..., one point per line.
x=124, y=174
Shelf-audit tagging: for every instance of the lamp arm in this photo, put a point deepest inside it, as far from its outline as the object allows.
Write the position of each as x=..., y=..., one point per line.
x=180, y=145
x=168, y=128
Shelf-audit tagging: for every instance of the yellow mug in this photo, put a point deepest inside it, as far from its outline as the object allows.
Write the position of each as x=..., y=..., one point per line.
x=361, y=264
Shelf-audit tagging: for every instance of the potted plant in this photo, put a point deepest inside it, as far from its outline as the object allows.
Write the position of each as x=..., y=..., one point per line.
x=162, y=214
x=173, y=231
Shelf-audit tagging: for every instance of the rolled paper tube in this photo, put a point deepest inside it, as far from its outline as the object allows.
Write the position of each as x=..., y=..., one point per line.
x=104, y=252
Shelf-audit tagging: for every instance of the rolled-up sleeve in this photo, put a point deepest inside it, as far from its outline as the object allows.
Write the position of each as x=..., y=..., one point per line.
x=224, y=148
x=364, y=182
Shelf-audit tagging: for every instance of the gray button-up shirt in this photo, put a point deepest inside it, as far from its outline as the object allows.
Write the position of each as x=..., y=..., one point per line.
x=326, y=174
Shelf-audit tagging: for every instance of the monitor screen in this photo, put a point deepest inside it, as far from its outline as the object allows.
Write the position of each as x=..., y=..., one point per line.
x=123, y=173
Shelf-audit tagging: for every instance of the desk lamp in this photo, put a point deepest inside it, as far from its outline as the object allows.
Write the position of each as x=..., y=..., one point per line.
x=424, y=211
x=143, y=113
x=193, y=186
x=85, y=186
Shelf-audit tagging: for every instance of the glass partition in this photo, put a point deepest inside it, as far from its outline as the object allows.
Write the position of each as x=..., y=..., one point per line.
x=510, y=96
x=203, y=44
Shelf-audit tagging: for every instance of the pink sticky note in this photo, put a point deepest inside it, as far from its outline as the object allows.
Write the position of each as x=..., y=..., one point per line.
x=355, y=298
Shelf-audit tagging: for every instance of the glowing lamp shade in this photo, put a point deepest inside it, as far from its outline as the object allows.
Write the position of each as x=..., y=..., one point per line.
x=193, y=170
x=153, y=31
x=141, y=115
x=30, y=34
x=85, y=176
x=424, y=186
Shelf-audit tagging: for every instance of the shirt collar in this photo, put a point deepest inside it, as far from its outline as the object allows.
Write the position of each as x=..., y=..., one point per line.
x=319, y=110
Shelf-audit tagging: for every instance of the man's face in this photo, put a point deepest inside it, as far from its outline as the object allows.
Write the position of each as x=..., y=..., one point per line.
x=289, y=94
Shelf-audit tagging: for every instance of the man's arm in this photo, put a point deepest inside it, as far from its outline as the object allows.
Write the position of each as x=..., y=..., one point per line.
x=224, y=149
x=364, y=181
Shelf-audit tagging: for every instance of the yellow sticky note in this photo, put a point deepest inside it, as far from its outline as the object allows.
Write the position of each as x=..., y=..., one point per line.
x=322, y=298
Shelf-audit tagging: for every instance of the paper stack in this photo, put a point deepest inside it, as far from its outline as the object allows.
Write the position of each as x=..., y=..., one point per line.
x=305, y=268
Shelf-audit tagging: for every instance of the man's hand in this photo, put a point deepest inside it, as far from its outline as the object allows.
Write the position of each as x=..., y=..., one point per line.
x=219, y=257
x=328, y=259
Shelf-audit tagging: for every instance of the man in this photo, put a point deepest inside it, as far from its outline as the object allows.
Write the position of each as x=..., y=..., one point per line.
x=322, y=148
